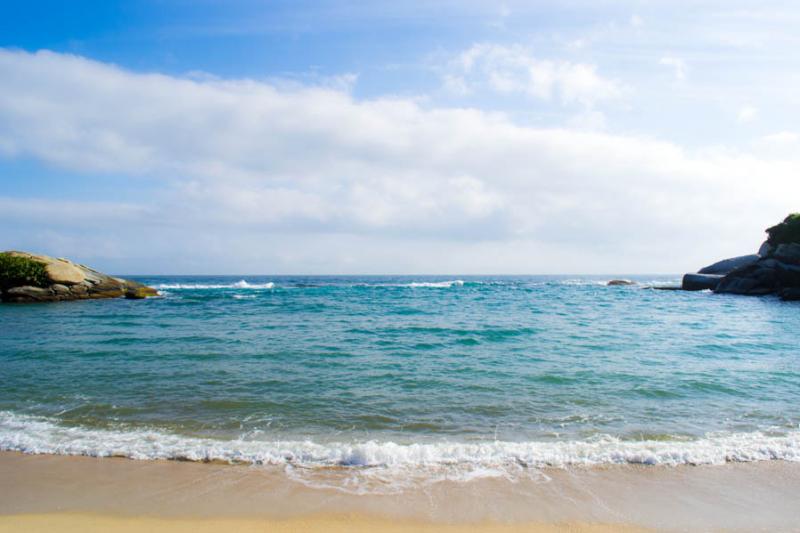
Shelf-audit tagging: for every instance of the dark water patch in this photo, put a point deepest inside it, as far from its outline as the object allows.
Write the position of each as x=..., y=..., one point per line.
x=710, y=387
x=655, y=392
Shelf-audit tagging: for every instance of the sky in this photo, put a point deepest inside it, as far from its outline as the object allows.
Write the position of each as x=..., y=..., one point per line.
x=416, y=137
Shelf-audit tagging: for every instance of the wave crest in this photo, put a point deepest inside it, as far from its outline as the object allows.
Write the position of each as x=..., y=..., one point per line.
x=242, y=284
x=435, y=460
x=435, y=284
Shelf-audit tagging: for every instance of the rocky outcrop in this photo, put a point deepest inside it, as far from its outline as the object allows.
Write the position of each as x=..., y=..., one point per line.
x=777, y=273
x=40, y=278
x=774, y=270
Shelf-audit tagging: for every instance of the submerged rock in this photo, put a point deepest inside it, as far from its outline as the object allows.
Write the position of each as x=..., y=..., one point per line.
x=27, y=277
x=620, y=282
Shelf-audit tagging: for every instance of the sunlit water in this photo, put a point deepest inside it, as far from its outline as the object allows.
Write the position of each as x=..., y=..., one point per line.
x=405, y=377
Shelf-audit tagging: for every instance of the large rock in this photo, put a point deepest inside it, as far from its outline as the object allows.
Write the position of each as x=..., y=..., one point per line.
x=729, y=265
x=26, y=293
x=70, y=281
x=788, y=274
x=65, y=273
x=757, y=279
x=59, y=270
x=787, y=253
x=775, y=269
x=768, y=275
x=137, y=291
x=700, y=282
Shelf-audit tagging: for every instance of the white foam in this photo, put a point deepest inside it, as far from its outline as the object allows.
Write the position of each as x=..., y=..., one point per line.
x=200, y=286
x=32, y=434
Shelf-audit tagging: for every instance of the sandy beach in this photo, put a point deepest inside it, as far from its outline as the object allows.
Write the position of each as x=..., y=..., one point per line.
x=58, y=493
x=122, y=524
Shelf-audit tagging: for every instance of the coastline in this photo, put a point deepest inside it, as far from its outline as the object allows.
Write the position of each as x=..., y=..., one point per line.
x=50, y=492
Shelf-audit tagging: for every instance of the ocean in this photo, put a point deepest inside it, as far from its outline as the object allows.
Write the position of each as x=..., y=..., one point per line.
x=379, y=383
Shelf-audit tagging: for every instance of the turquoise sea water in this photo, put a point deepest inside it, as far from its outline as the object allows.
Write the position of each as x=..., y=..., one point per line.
x=405, y=376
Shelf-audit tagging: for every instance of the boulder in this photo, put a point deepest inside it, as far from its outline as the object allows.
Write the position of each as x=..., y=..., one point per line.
x=787, y=253
x=757, y=279
x=137, y=291
x=765, y=249
x=61, y=291
x=619, y=282
x=788, y=274
x=61, y=279
x=63, y=272
x=79, y=290
x=59, y=270
x=29, y=293
x=729, y=265
x=700, y=282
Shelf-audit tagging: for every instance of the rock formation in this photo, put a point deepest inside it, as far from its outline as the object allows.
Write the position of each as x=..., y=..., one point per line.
x=774, y=270
x=27, y=277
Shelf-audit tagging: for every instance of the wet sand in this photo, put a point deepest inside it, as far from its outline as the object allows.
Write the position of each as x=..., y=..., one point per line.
x=59, y=493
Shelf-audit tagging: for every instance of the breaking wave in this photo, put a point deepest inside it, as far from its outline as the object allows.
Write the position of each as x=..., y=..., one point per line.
x=200, y=286
x=436, y=284
x=389, y=460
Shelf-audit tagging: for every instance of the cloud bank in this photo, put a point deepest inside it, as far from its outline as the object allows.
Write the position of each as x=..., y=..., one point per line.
x=248, y=176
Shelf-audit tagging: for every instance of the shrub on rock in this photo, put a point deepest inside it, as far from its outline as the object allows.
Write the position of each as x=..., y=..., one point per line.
x=18, y=271
x=786, y=232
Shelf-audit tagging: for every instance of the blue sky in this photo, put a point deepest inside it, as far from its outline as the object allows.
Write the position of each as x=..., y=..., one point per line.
x=374, y=137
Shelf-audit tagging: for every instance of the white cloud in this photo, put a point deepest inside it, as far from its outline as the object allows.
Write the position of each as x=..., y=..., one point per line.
x=678, y=66
x=514, y=69
x=782, y=138
x=747, y=113
x=250, y=177
x=780, y=145
x=636, y=21
x=588, y=120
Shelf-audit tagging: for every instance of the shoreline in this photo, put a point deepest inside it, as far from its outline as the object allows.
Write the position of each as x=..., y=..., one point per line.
x=68, y=523
x=62, y=492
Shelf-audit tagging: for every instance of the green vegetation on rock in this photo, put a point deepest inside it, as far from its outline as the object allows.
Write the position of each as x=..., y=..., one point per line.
x=787, y=231
x=17, y=271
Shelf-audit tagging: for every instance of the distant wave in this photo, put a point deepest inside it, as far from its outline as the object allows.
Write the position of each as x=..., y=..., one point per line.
x=417, y=284
x=435, y=284
x=271, y=285
x=199, y=286
x=31, y=434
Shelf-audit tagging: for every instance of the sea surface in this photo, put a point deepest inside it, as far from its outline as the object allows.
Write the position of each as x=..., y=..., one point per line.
x=391, y=381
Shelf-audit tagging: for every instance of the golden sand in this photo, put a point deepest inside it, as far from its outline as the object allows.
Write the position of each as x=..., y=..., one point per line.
x=59, y=493
x=90, y=523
